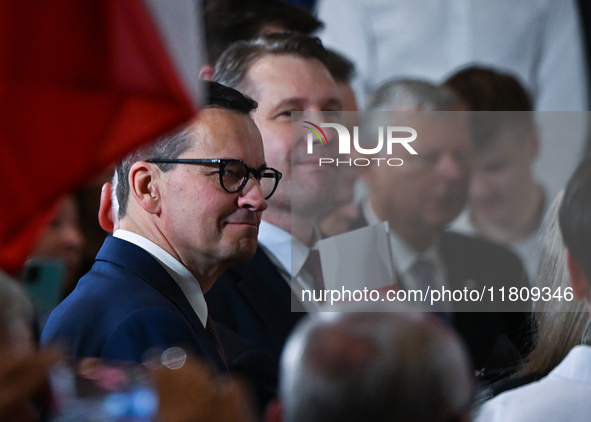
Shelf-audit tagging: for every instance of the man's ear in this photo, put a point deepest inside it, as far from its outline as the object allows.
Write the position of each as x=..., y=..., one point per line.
x=273, y=412
x=206, y=72
x=105, y=214
x=144, y=186
x=578, y=280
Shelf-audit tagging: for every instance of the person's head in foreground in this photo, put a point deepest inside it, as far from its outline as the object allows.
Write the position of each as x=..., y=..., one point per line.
x=575, y=225
x=359, y=366
x=199, y=193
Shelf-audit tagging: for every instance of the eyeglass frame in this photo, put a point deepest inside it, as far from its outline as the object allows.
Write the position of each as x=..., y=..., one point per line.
x=223, y=162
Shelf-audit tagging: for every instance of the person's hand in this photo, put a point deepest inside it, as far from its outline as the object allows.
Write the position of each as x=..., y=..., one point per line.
x=21, y=377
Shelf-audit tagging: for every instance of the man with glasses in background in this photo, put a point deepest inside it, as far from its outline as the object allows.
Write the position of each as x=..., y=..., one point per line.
x=189, y=207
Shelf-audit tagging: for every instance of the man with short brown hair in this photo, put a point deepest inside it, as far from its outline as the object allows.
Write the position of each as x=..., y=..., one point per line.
x=285, y=74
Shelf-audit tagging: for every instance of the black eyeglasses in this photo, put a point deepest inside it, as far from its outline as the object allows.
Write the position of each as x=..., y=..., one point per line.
x=234, y=174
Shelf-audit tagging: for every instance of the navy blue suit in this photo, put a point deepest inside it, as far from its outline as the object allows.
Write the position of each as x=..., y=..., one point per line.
x=254, y=300
x=126, y=305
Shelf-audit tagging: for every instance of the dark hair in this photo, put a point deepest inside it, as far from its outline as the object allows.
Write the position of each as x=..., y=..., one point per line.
x=232, y=66
x=228, y=21
x=341, y=68
x=487, y=89
x=575, y=216
x=221, y=96
x=175, y=143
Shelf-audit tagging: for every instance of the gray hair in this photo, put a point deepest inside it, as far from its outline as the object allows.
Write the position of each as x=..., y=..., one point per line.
x=351, y=367
x=233, y=65
x=174, y=144
x=404, y=95
x=413, y=94
x=167, y=147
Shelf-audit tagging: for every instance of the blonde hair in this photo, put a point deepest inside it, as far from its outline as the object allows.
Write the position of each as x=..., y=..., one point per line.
x=561, y=324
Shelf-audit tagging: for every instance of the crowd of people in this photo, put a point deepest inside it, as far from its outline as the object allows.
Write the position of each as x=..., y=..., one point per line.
x=212, y=231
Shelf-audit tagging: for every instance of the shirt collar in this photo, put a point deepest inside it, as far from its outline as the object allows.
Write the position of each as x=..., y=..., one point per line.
x=576, y=365
x=183, y=277
x=403, y=255
x=290, y=253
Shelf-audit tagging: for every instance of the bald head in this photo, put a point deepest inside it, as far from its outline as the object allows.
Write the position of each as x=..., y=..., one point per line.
x=374, y=366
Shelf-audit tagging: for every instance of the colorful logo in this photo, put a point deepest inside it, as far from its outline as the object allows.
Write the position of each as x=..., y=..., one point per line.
x=325, y=142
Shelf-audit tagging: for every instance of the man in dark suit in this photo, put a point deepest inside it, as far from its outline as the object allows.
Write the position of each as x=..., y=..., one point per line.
x=189, y=208
x=283, y=73
x=424, y=194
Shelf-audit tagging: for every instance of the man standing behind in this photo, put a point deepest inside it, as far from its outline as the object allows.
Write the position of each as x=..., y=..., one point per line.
x=284, y=73
x=506, y=203
x=423, y=195
x=189, y=208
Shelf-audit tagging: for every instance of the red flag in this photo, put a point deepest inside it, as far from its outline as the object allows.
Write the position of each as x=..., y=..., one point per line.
x=81, y=84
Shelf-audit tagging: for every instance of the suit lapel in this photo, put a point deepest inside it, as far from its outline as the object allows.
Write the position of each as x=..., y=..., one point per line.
x=134, y=258
x=456, y=264
x=267, y=292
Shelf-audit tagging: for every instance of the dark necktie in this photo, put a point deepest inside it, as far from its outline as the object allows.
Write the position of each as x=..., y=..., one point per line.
x=424, y=274
x=213, y=334
x=314, y=268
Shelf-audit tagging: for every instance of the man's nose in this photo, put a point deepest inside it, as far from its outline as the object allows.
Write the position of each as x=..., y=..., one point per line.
x=252, y=196
x=451, y=168
x=318, y=117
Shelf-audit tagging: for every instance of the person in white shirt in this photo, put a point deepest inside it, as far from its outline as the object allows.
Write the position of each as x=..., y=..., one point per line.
x=540, y=41
x=506, y=203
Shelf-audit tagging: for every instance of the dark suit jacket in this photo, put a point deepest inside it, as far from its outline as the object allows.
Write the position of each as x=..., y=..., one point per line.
x=495, y=340
x=126, y=305
x=254, y=300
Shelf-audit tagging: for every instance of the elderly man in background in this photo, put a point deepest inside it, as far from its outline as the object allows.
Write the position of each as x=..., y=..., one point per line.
x=420, y=198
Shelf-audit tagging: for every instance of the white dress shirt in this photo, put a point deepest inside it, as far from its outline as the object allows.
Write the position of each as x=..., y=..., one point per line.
x=186, y=281
x=404, y=256
x=563, y=395
x=540, y=41
x=528, y=249
x=288, y=254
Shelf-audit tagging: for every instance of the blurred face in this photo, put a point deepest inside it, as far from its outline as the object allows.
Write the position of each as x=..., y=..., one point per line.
x=205, y=225
x=502, y=175
x=282, y=84
x=63, y=238
x=429, y=190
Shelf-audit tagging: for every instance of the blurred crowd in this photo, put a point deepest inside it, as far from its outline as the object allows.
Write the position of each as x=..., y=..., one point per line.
x=171, y=287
